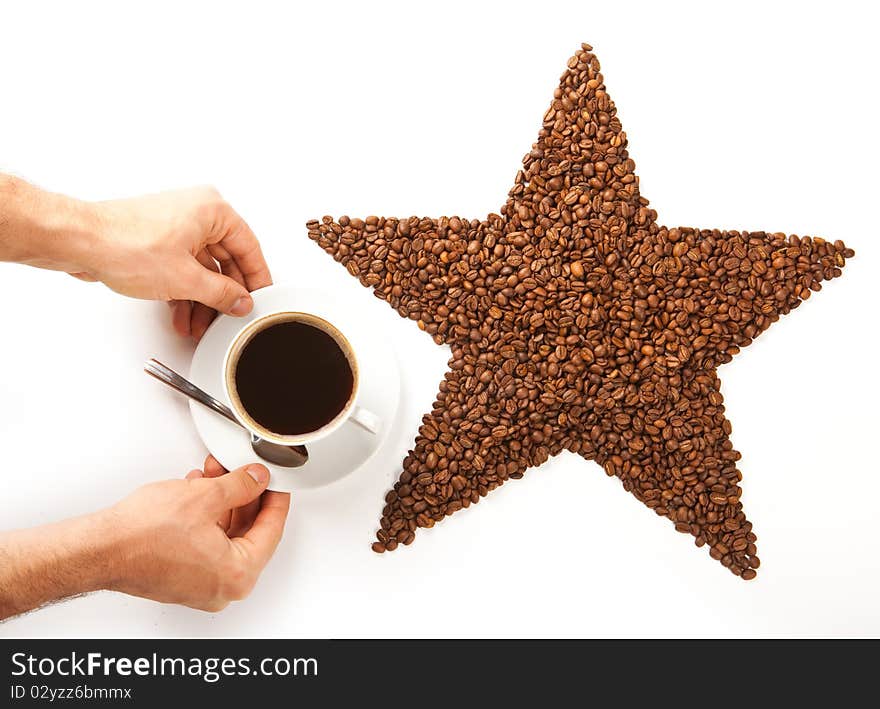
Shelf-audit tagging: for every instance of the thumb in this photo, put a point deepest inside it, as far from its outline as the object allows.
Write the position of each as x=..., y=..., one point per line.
x=242, y=485
x=218, y=291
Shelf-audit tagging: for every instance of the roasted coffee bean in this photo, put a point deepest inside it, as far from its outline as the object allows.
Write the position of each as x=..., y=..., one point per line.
x=577, y=322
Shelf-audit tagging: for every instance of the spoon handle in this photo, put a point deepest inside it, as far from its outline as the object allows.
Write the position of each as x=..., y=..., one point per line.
x=168, y=376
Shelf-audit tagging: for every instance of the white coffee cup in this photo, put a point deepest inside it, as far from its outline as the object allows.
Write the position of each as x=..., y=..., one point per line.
x=350, y=411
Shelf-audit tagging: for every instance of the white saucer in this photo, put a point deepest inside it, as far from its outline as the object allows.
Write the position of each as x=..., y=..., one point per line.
x=342, y=452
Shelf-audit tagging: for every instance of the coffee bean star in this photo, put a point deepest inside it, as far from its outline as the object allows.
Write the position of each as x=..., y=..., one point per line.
x=577, y=322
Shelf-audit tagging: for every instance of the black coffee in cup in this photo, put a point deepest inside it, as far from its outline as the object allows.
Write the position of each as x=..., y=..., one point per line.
x=293, y=377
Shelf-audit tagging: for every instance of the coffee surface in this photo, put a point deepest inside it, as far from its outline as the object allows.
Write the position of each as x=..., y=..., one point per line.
x=293, y=378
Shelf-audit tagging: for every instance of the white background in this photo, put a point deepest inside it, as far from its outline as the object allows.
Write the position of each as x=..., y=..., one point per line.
x=754, y=116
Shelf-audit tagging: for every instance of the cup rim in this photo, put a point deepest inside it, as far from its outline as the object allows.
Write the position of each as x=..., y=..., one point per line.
x=237, y=346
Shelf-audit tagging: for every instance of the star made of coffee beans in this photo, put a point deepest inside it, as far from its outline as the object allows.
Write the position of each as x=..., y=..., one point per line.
x=577, y=322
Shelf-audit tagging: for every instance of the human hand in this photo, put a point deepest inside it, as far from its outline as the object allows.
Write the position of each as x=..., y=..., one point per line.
x=200, y=542
x=188, y=247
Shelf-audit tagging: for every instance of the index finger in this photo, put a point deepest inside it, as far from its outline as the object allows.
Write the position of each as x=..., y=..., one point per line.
x=265, y=533
x=243, y=247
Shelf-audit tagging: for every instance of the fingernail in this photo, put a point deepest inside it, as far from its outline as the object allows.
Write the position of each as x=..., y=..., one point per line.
x=242, y=306
x=258, y=473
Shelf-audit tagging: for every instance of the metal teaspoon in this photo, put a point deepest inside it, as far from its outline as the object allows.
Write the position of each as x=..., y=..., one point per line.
x=285, y=456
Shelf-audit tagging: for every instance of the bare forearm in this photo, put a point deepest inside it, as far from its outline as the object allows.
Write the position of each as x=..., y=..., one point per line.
x=44, y=229
x=55, y=561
